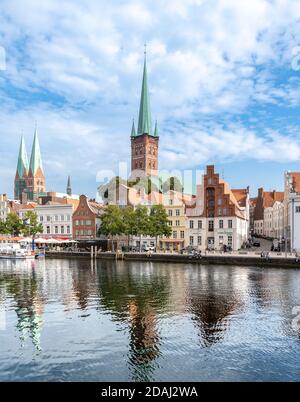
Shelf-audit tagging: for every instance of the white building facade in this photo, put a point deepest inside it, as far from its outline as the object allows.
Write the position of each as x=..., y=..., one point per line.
x=55, y=219
x=274, y=221
x=4, y=207
x=292, y=210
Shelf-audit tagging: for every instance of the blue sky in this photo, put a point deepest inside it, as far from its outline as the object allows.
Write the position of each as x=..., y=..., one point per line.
x=224, y=79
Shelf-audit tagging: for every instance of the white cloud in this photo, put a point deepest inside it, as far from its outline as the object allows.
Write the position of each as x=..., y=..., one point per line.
x=208, y=60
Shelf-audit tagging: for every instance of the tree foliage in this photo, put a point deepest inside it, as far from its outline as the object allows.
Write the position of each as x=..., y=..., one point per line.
x=31, y=225
x=130, y=222
x=15, y=226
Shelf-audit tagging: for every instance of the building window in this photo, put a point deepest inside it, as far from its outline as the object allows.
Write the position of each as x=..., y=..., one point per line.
x=170, y=202
x=177, y=212
x=191, y=224
x=297, y=210
x=56, y=218
x=230, y=241
x=48, y=218
x=191, y=240
x=199, y=224
x=177, y=223
x=170, y=223
x=88, y=223
x=220, y=211
x=48, y=229
x=230, y=224
x=41, y=218
x=175, y=235
x=220, y=239
x=221, y=224
x=219, y=201
x=68, y=230
x=170, y=212
x=56, y=229
x=199, y=240
x=210, y=226
x=77, y=223
x=62, y=218
x=182, y=234
x=62, y=230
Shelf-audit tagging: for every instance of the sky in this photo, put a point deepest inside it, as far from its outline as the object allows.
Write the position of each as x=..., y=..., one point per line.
x=224, y=78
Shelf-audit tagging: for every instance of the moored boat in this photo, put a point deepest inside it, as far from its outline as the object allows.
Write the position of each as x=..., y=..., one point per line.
x=13, y=251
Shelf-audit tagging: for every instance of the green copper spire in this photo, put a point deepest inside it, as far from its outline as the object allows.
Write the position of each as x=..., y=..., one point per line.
x=156, y=130
x=69, y=188
x=36, y=159
x=133, y=132
x=145, y=124
x=22, y=167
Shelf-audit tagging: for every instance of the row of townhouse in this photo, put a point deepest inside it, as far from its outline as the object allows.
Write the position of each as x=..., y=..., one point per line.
x=61, y=216
x=276, y=214
x=215, y=217
x=268, y=214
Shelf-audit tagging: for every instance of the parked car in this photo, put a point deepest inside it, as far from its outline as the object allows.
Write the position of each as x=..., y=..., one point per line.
x=256, y=244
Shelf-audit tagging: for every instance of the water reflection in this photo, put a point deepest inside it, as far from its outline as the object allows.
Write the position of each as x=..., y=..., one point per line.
x=135, y=299
x=211, y=306
x=152, y=309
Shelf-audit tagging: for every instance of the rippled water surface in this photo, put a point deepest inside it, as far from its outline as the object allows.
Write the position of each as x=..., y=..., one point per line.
x=73, y=320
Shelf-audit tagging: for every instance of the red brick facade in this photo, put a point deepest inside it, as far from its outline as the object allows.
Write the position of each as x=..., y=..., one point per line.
x=85, y=220
x=144, y=154
x=219, y=200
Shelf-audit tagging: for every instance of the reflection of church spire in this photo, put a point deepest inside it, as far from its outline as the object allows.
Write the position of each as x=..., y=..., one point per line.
x=144, y=342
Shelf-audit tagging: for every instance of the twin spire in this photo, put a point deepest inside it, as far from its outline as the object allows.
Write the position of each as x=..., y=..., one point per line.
x=145, y=119
x=23, y=168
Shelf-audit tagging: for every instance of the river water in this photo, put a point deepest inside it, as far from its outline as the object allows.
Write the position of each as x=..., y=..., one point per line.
x=65, y=320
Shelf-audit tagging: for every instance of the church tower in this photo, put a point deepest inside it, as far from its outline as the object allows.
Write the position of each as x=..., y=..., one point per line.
x=36, y=185
x=22, y=171
x=144, y=142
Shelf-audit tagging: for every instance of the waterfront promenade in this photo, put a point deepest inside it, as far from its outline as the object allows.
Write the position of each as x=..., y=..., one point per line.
x=248, y=258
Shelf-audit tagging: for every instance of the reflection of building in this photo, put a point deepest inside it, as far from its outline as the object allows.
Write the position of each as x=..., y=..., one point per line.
x=220, y=215
x=213, y=308
x=134, y=300
x=144, y=141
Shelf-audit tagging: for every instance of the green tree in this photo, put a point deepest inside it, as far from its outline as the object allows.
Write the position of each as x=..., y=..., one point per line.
x=31, y=225
x=112, y=223
x=3, y=228
x=14, y=224
x=159, y=222
x=142, y=222
x=129, y=223
x=173, y=184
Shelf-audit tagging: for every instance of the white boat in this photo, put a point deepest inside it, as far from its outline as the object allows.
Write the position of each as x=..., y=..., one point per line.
x=13, y=251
